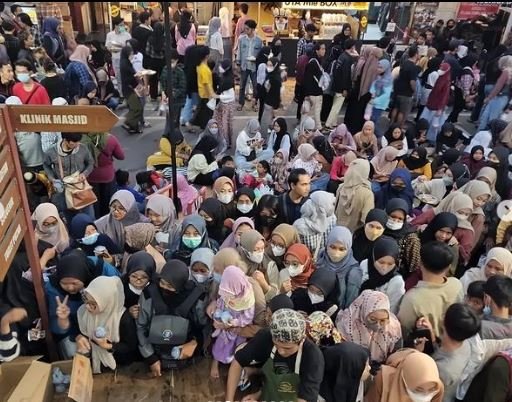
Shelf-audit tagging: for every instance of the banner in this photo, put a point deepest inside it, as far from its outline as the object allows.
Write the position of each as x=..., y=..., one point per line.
x=328, y=5
x=469, y=11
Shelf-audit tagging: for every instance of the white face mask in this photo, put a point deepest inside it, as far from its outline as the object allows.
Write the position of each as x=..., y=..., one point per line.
x=134, y=289
x=162, y=238
x=417, y=397
x=244, y=208
x=441, y=72
x=221, y=70
x=393, y=225
x=225, y=198
x=257, y=257
x=270, y=69
x=200, y=278
x=214, y=131
x=315, y=299
x=52, y=229
x=278, y=251
x=295, y=271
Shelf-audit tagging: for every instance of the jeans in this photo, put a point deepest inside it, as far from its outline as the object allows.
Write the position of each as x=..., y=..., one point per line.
x=492, y=111
x=245, y=75
x=112, y=103
x=376, y=113
x=337, y=104
x=435, y=123
x=320, y=183
x=187, y=113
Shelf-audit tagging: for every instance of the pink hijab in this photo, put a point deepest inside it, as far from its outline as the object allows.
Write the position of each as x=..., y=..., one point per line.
x=236, y=290
x=186, y=192
x=341, y=132
x=230, y=241
x=81, y=55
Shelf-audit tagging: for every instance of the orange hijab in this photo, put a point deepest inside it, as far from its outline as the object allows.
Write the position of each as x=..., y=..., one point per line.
x=302, y=253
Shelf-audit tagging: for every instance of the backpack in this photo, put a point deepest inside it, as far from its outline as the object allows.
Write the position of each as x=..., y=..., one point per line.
x=55, y=44
x=507, y=355
x=183, y=43
x=325, y=80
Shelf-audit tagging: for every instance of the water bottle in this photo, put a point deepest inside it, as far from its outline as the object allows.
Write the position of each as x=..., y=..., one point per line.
x=176, y=352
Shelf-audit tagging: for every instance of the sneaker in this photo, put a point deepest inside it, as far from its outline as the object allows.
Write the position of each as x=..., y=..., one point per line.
x=146, y=124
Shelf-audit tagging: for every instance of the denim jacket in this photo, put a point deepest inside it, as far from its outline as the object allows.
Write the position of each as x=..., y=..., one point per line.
x=248, y=47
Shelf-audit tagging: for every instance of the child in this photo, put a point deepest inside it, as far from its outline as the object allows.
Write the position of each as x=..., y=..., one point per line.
x=235, y=309
x=262, y=174
x=475, y=297
x=123, y=183
x=279, y=168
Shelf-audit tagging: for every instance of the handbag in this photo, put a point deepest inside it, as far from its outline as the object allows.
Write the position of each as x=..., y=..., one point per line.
x=78, y=193
x=168, y=330
x=212, y=103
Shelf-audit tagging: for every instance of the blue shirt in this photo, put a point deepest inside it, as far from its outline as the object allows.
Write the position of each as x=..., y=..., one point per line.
x=248, y=47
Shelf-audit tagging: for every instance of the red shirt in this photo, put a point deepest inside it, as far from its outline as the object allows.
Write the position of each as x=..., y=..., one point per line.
x=38, y=95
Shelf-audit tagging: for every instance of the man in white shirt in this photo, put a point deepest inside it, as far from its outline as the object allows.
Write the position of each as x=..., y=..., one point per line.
x=115, y=41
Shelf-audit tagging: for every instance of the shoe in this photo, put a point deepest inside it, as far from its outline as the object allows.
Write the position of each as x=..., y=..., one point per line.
x=240, y=108
x=146, y=124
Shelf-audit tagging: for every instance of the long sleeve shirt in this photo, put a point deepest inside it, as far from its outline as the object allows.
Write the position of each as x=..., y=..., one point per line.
x=248, y=48
x=80, y=160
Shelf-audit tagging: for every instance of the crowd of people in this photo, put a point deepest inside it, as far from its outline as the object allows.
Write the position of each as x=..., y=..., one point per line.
x=368, y=260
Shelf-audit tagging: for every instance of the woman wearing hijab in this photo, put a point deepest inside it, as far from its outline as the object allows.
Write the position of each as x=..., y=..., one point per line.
x=480, y=194
x=212, y=212
x=437, y=102
x=75, y=271
x=279, y=139
x=224, y=191
x=240, y=226
x=395, y=137
x=317, y=220
x=104, y=307
x=194, y=235
x=108, y=95
x=245, y=203
x=86, y=237
x=354, y=198
x=384, y=163
x=213, y=129
x=202, y=164
x=160, y=300
x=339, y=169
x=497, y=262
x=140, y=271
x=306, y=159
x=448, y=139
x=399, y=186
x=498, y=159
x=475, y=160
x=408, y=241
x=162, y=158
x=261, y=74
x=299, y=267
x=259, y=266
x=366, y=141
x=279, y=170
x=417, y=163
x=341, y=140
x=365, y=237
x=267, y=215
x=123, y=212
x=49, y=227
x=214, y=40
x=380, y=272
x=320, y=295
x=161, y=212
x=140, y=237
x=381, y=90
x=370, y=323
x=249, y=147
x=407, y=376
x=272, y=93
x=282, y=237
x=326, y=152
x=52, y=40
x=78, y=73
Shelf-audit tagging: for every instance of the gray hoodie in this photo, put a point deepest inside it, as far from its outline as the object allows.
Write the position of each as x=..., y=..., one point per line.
x=80, y=160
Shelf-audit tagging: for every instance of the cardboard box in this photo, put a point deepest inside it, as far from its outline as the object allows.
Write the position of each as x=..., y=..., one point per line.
x=27, y=379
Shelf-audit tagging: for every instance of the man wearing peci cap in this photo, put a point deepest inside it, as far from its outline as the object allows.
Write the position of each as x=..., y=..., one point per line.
x=114, y=42
x=291, y=364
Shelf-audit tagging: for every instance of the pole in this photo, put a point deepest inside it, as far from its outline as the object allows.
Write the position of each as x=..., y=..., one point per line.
x=170, y=100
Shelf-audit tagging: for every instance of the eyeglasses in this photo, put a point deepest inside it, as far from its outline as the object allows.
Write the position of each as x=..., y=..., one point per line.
x=140, y=279
x=50, y=225
x=115, y=208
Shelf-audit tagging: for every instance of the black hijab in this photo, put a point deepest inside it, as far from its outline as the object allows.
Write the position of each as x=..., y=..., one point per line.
x=262, y=56
x=280, y=135
x=323, y=147
x=416, y=163
x=249, y=193
x=176, y=273
x=503, y=181
x=448, y=141
x=215, y=210
x=441, y=220
x=270, y=202
x=362, y=246
x=206, y=146
x=325, y=280
x=383, y=247
x=140, y=261
x=397, y=204
x=280, y=301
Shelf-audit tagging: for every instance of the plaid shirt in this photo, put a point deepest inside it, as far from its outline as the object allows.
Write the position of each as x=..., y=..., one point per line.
x=73, y=71
x=301, y=46
x=36, y=34
x=317, y=241
x=179, y=83
x=48, y=9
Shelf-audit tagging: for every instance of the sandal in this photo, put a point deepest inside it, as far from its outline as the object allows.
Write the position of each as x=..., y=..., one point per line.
x=240, y=108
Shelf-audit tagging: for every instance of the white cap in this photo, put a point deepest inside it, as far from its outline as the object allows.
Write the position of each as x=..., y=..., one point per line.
x=59, y=102
x=13, y=100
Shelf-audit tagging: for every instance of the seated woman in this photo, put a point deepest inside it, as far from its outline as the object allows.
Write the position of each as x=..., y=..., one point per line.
x=417, y=163
x=107, y=94
x=395, y=137
x=474, y=161
x=339, y=169
x=245, y=203
x=267, y=215
x=75, y=271
x=380, y=272
x=193, y=236
x=140, y=271
x=224, y=191
x=366, y=141
x=365, y=237
x=354, y=197
x=306, y=159
x=299, y=267
x=212, y=212
x=141, y=237
x=240, y=226
x=170, y=303
x=369, y=322
x=235, y=309
x=383, y=164
x=106, y=329
x=341, y=140
x=124, y=212
x=279, y=138
x=320, y=295
x=202, y=164
x=162, y=159
x=188, y=196
x=49, y=227
x=212, y=129
x=407, y=373
x=161, y=212
x=249, y=147
x=448, y=138
x=398, y=186
x=279, y=169
x=282, y=237
x=317, y=220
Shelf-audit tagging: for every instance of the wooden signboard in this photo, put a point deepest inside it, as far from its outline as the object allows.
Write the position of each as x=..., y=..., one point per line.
x=9, y=204
x=11, y=242
x=6, y=167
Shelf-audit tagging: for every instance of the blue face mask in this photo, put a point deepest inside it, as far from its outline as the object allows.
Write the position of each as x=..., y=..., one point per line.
x=217, y=277
x=487, y=311
x=192, y=242
x=90, y=240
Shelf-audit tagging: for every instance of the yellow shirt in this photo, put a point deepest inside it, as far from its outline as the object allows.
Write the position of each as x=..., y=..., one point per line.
x=204, y=80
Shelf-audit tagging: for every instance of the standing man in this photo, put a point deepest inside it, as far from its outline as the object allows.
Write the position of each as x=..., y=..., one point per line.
x=115, y=41
x=248, y=48
x=240, y=24
x=307, y=38
x=405, y=88
x=26, y=24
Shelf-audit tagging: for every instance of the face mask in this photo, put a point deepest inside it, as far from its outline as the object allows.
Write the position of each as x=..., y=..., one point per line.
x=134, y=289
x=217, y=277
x=200, y=278
x=192, y=242
x=417, y=397
x=336, y=255
x=392, y=225
x=23, y=77
x=225, y=198
x=487, y=310
x=267, y=221
x=52, y=229
x=315, y=299
x=122, y=29
x=372, y=234
x=270, y=69
x=278, y=251
x=244, y=208
x=162, y=238
x=448, y=181
x=214, y=131
x=398, y=188
x=221, y=70
x=373, y=326
x=295, y=271
x=462, y=217
x=278, y=160
x=90, y=240
x=441, y=72
x=256, y=257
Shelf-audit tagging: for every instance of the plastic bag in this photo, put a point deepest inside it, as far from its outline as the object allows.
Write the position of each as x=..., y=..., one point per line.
x=368, y=111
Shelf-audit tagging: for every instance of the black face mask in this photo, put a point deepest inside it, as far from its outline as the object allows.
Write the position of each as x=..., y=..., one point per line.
x=268, y=221
x=398, y=188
